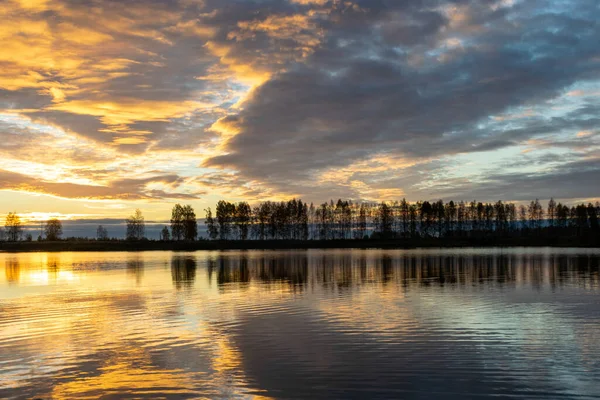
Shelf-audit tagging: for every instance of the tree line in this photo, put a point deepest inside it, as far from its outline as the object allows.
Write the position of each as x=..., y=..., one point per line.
x=345, y=219
x=184, y=226
x=13, y=229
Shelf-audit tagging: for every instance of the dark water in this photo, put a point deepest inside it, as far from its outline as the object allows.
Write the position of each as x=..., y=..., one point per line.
x=467, y=323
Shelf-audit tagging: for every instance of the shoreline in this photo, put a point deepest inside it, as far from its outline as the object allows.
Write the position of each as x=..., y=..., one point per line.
x=92, y=245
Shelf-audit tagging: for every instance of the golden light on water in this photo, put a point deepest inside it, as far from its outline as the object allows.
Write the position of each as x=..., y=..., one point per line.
x=129, y=371
x=210, y=324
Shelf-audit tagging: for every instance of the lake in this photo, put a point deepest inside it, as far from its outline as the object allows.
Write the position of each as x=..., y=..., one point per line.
x=447, y=324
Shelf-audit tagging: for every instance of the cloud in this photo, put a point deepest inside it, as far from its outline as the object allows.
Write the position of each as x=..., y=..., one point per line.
x=312, y=98
x=569, y=180
x=114, y=64
x=360, y=94
x=121, y=189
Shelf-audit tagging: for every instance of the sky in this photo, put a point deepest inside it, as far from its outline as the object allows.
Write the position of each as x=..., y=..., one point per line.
x=107, y=106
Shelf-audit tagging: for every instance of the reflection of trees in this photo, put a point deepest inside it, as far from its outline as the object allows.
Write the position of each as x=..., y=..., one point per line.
x=12, y=270
x=490, y=270
x=581, y=270
x=291, y=269
x=344, y=271
x=233, y=270
x=335, y=270
x=183, y=271
x=135, y=267
x=53, y=263
x=387, y=268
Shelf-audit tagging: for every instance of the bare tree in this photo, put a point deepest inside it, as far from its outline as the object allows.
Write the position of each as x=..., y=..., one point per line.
x=552, y=212
x=53, y=229
x=165, y=236
x=14, y=228
x=136, y=226
x=211, y=227
x=101, y=233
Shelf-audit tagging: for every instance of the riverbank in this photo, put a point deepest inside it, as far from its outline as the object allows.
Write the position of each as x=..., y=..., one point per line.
x=122, y=245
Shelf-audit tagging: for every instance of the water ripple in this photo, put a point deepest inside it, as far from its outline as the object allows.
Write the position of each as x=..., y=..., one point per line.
x=514, y=323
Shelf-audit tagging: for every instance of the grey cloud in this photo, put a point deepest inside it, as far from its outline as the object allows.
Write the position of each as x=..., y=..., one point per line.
x=357, y=95
x=571, y=180
x=22, y=99
x=84, y=125
x=24, y=143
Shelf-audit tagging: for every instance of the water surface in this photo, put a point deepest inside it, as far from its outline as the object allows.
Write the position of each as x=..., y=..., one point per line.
x=454, y=323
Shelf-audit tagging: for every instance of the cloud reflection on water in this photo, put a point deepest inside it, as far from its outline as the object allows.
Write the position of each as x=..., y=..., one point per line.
x=300, y=323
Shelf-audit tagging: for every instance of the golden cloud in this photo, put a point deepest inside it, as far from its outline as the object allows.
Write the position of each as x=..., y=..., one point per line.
x=121, y=112
x=124, y=189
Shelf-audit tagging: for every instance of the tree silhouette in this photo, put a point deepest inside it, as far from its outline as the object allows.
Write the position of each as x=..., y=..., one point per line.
x=261, y=221
x=362, y=222
x=164, y=234
x=190, y=225
x=501, y=219
x=438, y=215
x=523, y=216
x=243, y=217
x=343, y=219
x=303, y=221
x=593, y=217
x=384, y=220
x=426, y=217
x=183, y=223
x=450, y=217
x=324, y=221
x=211, y=226
x=225, y=217
x=562, y=215
x=135, y=226
x=53, y=229
x=551, y=212
x=13, y=226
x=177, y=222
x=101, y=233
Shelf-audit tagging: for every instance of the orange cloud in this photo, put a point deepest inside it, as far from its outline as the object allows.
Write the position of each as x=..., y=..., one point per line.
x=32, y=5
x=242, y=69
x=583, y=134
x=124, y=189
x=121, y=112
